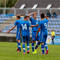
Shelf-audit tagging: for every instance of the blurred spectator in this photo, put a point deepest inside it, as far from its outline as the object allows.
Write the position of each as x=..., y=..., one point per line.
x=54, y=14
x=48, y=14
x=52, y=36
x=0, y=31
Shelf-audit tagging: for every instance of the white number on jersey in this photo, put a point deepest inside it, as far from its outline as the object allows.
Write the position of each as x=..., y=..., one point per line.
x=36, y=22
x=24, y=27
x=45, y=25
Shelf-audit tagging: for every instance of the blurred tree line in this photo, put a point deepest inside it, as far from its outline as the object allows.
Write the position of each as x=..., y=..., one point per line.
x=7, y=3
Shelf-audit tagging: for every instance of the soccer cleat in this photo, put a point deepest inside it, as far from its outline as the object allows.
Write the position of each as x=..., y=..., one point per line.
x=24, y=53
x=42, y=53
x=18, y=50
x=28, y=51
x=46, y=51
x=35, y=51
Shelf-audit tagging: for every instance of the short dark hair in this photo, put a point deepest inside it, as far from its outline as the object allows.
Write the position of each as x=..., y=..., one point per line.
x=18, y=17
x=42, y=15
x=25, y=17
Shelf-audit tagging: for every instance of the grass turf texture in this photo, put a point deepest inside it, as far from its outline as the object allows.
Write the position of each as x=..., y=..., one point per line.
x=8, y=52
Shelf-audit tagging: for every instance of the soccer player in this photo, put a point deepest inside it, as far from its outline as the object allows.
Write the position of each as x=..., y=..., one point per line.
x=43, y=34
x=34, y=21
x=25, y=33
x=53, y=36
x=18, y=25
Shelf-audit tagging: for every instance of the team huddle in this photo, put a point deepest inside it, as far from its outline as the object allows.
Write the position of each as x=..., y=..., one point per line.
x=39, y=32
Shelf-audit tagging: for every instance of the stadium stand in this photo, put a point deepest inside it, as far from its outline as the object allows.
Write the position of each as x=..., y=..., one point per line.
x=54, y=23
x=5, y=22
x=41, y=3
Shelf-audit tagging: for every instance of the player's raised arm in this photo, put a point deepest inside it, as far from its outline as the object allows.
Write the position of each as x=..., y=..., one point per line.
x=34, y=25
x=47, y=17
x=32, y=13
x=15, y=24
x=11, y=29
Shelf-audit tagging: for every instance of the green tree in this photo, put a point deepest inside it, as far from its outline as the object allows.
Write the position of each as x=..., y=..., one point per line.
x=11, y=3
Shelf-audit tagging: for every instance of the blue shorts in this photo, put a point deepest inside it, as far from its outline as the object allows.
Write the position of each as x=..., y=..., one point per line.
x=43, y=38
x=25, y=39
x=18, y=36
x=33, y=35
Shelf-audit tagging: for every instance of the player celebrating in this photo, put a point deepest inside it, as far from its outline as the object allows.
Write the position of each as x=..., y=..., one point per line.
x=52, y=36
x=34, y=29
x=25, y=33
x=43, y=34
x=18, y=25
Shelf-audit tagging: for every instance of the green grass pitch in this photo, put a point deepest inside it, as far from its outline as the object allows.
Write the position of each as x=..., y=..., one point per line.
x=8, y=52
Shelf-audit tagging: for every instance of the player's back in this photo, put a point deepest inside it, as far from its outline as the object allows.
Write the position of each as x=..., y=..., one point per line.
x=43, y=26
x=25, y=27
x=18, y=24
x=34, y=22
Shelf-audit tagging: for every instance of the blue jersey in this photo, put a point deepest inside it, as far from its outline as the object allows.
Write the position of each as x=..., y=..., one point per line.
x=34, y=22
x=38, y=37
x=39, y=34
x=18, y=24
x=25, y=28
x=43, y=26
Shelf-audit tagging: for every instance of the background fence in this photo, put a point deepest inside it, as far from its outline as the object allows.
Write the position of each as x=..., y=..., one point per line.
x=7, y=19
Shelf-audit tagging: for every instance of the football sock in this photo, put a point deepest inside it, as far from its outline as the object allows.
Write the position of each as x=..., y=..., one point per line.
x=37, y=45
x=46, y=46
x=32, y=47
x=23, y=47
x=19, y=45
x=27, y=46
x=42, y=47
